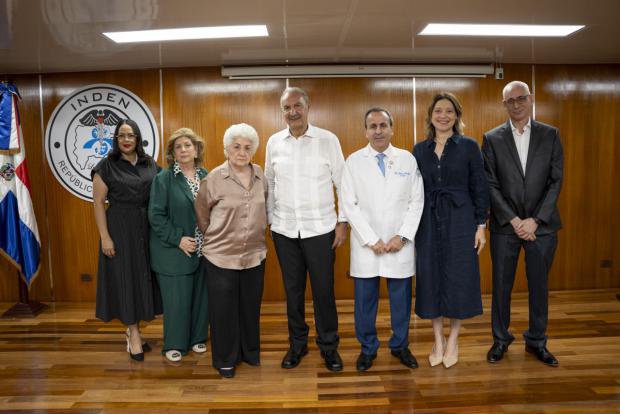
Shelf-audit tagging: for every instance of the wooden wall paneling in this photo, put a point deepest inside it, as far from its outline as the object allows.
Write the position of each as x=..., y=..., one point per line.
x=74, y=238
x=481, y=99
x=339, y=105
x=584, y=103
x=199, y=98
x=28, y=86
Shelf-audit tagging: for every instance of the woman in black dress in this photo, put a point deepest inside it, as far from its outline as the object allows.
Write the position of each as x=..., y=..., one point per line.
x=126, y=289
x=451, y=232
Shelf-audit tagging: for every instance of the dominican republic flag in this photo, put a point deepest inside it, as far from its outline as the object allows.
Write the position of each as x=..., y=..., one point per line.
x=19, y=235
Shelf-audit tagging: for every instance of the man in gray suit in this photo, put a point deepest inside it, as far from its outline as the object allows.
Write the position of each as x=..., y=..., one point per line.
x=523, y=162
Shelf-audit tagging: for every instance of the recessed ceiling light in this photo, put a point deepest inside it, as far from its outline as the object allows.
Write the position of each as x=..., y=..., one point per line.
x=188, y=33
x=525, y=30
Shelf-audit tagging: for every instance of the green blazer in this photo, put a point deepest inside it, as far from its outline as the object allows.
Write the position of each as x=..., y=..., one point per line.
x=171, y=215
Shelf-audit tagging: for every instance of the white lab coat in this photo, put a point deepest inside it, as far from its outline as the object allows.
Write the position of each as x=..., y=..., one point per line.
x=379, y=207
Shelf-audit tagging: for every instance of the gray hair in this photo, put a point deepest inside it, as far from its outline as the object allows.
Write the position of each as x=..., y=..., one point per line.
x=295, y=89
x=241, y=131
x=510, y=85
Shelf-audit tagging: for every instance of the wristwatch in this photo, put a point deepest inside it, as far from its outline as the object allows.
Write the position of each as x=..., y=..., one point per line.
x=404, y=240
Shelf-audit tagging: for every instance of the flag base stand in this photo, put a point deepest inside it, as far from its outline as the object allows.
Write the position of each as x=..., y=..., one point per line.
x=25, y=308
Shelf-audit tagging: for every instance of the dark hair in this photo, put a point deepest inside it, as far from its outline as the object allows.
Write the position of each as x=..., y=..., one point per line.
x=458, y=124
x=115, y=154
x=377, y=109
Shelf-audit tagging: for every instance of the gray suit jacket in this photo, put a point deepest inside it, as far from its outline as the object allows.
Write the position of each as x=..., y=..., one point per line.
x=533, y=194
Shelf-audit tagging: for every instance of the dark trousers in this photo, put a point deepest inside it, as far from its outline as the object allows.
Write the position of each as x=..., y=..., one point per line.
x=539, y=254
x=234, y=308
x=313, y=255
x=184, y=298
x=366, y=303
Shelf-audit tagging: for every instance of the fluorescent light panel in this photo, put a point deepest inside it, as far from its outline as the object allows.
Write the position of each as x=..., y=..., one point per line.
x=188, y=33
x=522, y=30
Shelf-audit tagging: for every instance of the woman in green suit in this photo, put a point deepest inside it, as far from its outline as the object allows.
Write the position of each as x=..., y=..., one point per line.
x=175, y=246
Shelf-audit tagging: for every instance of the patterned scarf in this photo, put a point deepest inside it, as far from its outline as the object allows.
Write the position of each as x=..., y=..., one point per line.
x=194, y=186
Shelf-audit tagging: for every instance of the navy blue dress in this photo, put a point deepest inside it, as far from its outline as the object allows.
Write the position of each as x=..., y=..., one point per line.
x=456, y=201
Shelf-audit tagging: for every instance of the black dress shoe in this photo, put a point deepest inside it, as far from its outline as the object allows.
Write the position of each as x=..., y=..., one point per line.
x=227, y=372
x=252, y=363
x=333, y=362
x=543, y=355
x=496, y=353
x=406, y=357
x=293, y=358
x=364, y=361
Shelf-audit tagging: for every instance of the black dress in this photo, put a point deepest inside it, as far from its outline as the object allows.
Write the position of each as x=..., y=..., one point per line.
x=126, y=288
x=456, y=200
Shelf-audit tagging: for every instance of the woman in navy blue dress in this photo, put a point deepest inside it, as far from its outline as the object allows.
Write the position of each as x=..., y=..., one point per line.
x=452, y=228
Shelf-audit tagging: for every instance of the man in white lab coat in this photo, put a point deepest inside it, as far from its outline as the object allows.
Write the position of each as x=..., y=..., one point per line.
x=382, y=198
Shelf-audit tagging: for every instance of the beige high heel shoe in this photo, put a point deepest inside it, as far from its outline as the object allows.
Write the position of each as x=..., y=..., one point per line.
x=433, y=359
x=145, y=345
x=450, y=360
x=136, y=357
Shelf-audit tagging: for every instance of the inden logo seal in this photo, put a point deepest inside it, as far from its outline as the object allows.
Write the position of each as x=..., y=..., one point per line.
x=80, y=133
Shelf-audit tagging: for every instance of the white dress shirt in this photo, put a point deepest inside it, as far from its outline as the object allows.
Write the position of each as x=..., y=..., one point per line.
x=380, y=207
x=522, y=141
x=301, y=173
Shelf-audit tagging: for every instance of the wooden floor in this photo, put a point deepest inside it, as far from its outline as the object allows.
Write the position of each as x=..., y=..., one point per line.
x=66, y=361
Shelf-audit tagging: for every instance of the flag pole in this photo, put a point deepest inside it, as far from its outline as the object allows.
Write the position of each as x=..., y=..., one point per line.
x=25, y=308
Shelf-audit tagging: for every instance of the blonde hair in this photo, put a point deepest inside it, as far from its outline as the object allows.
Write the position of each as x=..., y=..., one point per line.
x=196, y=141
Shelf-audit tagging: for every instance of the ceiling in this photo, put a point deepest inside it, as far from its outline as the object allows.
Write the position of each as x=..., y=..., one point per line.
x=40, y=36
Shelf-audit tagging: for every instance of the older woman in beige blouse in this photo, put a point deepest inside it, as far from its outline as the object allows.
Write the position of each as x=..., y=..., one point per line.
x=230, y=211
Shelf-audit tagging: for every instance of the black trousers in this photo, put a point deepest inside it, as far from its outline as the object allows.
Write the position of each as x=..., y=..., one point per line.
x=313, y=255
x=505, y=250
x=234, y=310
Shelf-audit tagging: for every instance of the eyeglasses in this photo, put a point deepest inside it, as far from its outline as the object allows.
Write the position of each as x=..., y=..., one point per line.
x=126, y=137
x=519, y=99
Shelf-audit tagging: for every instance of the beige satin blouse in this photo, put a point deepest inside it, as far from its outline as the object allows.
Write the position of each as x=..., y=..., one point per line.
x=232, y=218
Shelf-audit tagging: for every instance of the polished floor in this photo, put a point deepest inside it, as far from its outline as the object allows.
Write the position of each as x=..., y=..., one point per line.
x=65, y=361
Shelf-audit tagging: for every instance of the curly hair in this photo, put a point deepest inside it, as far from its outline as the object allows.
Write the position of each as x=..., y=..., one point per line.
x=241, y=131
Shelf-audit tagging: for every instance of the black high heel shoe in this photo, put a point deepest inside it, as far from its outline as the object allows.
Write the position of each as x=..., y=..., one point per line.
x=136, y=357
x=145, y=345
